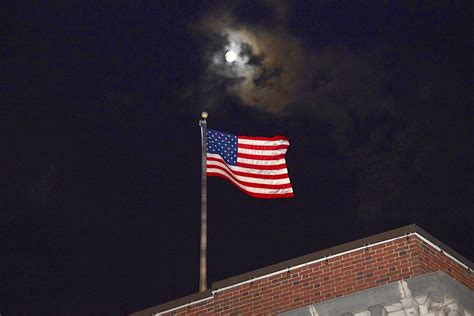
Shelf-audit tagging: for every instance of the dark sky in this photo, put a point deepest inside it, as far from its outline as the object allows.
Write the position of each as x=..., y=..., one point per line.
x=100, y=144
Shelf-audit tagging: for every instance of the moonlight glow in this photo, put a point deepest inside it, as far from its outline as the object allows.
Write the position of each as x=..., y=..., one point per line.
x=230, y=56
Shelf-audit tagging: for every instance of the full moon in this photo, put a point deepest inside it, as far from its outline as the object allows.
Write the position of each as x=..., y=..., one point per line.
x=230, y=56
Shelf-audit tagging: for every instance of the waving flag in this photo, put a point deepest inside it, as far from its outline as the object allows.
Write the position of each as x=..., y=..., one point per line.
x=255, y=165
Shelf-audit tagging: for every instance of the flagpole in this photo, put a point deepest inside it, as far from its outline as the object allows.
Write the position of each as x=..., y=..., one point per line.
x=203, y=248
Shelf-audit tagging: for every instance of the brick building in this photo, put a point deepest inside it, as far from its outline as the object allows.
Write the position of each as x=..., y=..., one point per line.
x=405, y=271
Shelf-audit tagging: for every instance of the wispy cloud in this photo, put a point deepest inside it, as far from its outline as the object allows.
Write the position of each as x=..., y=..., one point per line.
x=278, y=73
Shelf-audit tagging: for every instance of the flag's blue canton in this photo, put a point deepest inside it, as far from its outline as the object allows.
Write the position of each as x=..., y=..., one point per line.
x=223, y=144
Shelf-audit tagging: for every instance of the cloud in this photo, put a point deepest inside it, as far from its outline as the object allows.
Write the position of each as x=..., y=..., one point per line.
x=276, y=72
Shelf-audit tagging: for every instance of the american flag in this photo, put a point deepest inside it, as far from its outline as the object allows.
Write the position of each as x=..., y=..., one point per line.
x=255, y=165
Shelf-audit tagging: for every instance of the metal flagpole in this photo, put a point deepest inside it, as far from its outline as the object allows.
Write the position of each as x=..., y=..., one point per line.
x=203, y=254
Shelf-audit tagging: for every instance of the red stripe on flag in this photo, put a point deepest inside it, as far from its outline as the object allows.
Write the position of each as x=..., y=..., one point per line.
x=260, y=157
x=250, y=175
x=278, y=137
x=257, y=195
x=263, y=147
x=252, y=166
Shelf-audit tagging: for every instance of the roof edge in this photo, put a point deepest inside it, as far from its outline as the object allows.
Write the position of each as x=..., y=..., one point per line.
x=316, y=255
x=443, y=246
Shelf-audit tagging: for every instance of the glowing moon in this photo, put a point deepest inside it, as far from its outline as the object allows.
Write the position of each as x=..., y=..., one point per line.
x=230, y=56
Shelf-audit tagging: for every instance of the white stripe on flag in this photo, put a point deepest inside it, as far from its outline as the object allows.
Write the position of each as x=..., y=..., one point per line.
x=263, y=142
x=261, y=162
x=262, y=152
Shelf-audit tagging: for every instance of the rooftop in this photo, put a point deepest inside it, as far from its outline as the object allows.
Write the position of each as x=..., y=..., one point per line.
x=292, y=264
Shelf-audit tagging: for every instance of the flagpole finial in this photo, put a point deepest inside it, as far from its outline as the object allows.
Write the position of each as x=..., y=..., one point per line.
x=204, y=115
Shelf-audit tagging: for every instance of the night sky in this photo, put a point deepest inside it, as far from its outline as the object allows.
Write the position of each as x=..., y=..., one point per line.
x=100, y=143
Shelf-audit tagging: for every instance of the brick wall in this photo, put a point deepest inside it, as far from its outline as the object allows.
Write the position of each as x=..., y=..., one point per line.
x=337, y=276
x=430, y=260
